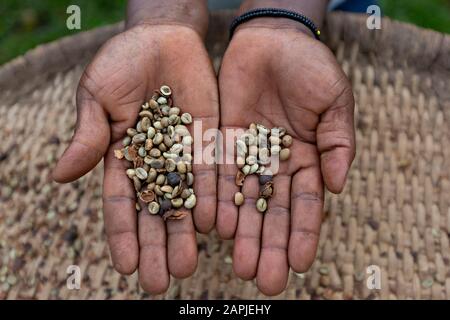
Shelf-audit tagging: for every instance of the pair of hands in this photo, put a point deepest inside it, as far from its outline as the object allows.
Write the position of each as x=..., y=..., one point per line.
x=277, y=77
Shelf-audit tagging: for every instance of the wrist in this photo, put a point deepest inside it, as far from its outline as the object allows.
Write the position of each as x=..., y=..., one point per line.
x=190, y=13
x=313, y=9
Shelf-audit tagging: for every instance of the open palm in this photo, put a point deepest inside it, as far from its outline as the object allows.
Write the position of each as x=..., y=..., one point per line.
x=283, y=78
x=120, y=78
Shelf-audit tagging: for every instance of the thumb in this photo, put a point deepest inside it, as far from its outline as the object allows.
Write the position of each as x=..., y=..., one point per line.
x=89, y=143
x=336, y=141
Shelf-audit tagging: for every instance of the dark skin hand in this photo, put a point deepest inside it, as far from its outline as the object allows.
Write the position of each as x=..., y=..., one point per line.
x=118, y=80
x=281, y=76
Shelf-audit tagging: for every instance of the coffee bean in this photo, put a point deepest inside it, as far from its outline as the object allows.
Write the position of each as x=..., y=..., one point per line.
x=173, y=179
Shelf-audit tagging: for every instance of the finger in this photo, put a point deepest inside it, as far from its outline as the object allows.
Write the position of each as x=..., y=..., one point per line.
x=205, y=187
x=248, y=234
x=227, y=212
x=198, y=95
x=181, y=247
x=306, y=217
x=273, y=268
x=119, y=210
x=336, y=141
x=153, y=273
x=89, y=143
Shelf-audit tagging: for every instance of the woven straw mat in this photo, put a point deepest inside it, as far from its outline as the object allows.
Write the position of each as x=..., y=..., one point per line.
x=394, y=212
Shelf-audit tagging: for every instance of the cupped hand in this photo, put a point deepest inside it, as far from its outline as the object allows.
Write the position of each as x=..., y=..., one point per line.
x=283, y=77
x=120, y=78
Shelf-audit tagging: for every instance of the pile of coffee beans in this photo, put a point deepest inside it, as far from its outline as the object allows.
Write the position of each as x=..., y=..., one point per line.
x=255, y=151
x=159, y=148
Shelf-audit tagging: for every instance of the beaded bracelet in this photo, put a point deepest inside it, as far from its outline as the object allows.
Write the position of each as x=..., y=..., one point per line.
x=277, y=13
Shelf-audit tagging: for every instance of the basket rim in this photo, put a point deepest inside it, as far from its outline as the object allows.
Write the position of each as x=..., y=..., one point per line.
x=424, y=49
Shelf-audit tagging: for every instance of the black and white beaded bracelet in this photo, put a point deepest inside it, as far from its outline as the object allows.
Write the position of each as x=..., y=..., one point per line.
x=275, y=13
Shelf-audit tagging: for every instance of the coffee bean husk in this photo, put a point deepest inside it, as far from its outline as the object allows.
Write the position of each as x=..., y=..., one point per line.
x=161, y=172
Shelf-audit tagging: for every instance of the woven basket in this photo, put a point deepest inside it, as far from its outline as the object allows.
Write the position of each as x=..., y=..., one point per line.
x=394, y=212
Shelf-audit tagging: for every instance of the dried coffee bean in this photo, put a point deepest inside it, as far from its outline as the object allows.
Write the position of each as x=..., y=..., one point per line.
x=263, y=179
x=146, y=113
x=165, y=205
x=287, y=141
x=284, y=154
x=181, y=130
x=165, y=122
x=185, y=193
x=131, y=132
x=175, y=111
x=186, y=118
x=126, y=141
x=161, y=100
x=266, y=190
x=141, y=173
x=173, y=179
x=167, y=189
x=137, y=183
x=148, y=144
x=167, y=141
x=240, y=177
x=246, y=169
x=190, y=202
x=153, y=104
x=142, y=153
x=162, y=147
x=251, y=160
x=160, y=179
x=187, y=140
x=145, y=124
x=153, y=207
x=176, y=148
x=189, y=179
x=157, y=125
x=151, y=186
x=261, y=205
x=177, y=202
x=130, y=173
x=238, y=198
x=165, y=90
x=254, y=168
x=158, y=138
x=155, y=153
x=176, y=192
x=151, y=132
x=139, y=138
x=139, y=127
x=170, y=165
x=158, y=191
x=181, y=167
x=158, y=163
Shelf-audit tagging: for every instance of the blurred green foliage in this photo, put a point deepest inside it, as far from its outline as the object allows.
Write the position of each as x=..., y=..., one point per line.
x=27, y=23
x=432, y=14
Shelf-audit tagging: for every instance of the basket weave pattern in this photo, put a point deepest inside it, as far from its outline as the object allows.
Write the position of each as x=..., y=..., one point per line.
x=393, y=213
